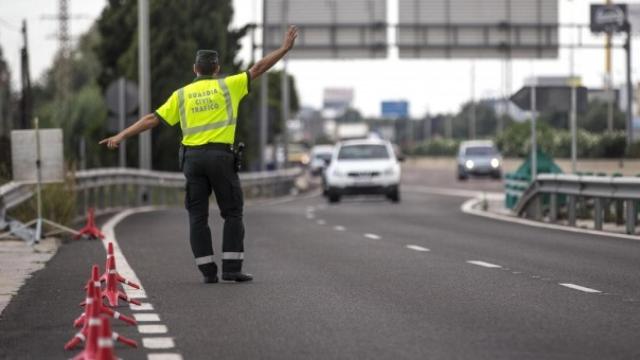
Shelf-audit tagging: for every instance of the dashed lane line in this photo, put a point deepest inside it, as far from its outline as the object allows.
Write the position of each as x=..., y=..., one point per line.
x=417, y=248
x=141, y=307
x=580, y=288
x=158, y=343
x=484, y=264
x=164, y=356
x=321, y=222
x=152, y=329
x=372, y=236
x=145, y=317
x=339, y=228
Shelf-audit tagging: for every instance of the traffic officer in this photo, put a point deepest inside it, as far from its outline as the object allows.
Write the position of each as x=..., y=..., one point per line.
x=207, y=110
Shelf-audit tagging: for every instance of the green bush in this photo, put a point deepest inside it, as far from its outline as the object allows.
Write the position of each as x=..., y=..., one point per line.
x=58, y=204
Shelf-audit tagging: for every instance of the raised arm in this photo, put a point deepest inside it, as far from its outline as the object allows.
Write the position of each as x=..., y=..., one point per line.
x=272, y=58
x=147, y=122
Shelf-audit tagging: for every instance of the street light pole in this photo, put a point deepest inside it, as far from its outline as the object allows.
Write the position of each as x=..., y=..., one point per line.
x=144, y=79
x=264, y=89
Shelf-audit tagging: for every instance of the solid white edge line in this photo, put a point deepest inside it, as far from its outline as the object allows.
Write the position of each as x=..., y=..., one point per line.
x=158, y=342
x=580, y=288
x=417, y=248
x=468, y=207
x=484, y=264
x=372, y=236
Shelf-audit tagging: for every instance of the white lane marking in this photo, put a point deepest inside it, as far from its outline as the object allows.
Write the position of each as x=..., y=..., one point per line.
x=311, y=216
x=580, y=288
x=484, y=264
x=469, y=207
x=152, y=329
x=372, y=236
x=141, y=307
x=450, y=191
x=124, y=268
x=310, y=209
x=158, y=343
x=416, y=248
x=164, y=356
x=146, y=317
x=321, y=222
x=339, y=228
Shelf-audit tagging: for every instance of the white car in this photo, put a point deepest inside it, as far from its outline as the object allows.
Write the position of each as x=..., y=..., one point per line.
x=363, y=167
x=320, y=158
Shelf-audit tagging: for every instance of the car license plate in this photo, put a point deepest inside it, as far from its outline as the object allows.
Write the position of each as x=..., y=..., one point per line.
x=363, y=180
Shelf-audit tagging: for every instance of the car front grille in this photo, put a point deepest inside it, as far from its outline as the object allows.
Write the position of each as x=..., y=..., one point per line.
x=363, y=174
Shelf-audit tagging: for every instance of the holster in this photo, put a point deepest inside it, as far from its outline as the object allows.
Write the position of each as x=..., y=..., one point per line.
x=237, y=156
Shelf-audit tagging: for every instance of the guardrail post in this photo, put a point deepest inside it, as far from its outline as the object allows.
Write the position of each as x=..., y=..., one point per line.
x=597, y=213
x=632, y=216
x=553, y=207
x=571, y=209
x=619, y=204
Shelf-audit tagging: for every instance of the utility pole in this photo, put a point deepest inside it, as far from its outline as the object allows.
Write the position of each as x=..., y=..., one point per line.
x=534, y=140
x=264, y=94
x=472, y=120
x=608, y=78
x=144, y=81
x=25, y=100
x=629, y=109
x=285, y=89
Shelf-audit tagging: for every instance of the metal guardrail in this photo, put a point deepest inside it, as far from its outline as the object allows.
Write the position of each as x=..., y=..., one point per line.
x=601, y=198
x=110, y=189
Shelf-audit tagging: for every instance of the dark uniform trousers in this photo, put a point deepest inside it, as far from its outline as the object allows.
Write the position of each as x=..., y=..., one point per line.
x=207, y=170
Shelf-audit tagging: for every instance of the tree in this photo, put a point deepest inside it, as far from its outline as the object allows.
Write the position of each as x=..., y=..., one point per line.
x=5, y=116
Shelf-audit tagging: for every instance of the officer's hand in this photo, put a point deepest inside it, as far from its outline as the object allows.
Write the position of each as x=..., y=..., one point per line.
x=290, y=38
x=112, y=142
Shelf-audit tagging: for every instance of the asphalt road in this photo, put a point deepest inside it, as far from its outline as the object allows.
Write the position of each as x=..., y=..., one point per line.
x=362, y=279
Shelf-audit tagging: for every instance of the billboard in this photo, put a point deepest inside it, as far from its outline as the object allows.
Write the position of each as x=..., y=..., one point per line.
x=330, y=29
x=478, y=28
x=338, y=98
x=395, y=109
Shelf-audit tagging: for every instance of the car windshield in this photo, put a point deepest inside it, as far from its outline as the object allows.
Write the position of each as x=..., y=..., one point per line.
x=323, y=156
x=363, y=152
x=480, y=151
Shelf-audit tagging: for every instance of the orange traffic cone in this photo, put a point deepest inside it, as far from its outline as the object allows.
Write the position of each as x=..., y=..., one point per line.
x=111, y=292
x=90, y=230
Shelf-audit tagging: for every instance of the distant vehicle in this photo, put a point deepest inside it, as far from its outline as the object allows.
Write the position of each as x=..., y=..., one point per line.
x=298, y=155
x=479, y=157
x=363, y=167
x=320, y=158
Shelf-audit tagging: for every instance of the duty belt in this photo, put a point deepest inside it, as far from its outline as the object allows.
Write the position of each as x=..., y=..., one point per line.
x=211, y=146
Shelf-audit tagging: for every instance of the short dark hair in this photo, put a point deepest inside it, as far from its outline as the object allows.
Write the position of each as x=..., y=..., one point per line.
x=205, y=68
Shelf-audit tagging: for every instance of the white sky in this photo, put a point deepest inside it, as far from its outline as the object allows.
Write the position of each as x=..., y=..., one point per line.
x=429, y=85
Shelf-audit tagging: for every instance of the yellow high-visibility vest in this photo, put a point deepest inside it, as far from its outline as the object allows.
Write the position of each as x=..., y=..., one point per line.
x=207, y=109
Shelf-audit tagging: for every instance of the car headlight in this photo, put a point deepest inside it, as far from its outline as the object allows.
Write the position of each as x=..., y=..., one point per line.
x=389, y=171
x=469, y=164
x=495, y=163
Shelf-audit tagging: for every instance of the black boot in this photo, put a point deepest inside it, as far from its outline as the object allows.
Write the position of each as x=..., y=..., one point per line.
x=236, y=276
x=209, y=272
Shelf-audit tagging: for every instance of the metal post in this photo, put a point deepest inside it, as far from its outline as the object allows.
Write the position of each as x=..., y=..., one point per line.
x=553, y=207
x=631, y=217
x=572, y=210
x=472, y=121
x=144, y=80
x=597, y=216
x=629, y=109
x=285, y=90
x=264, y=94
x=534, y=145
x=122, y=149
x=38, y=234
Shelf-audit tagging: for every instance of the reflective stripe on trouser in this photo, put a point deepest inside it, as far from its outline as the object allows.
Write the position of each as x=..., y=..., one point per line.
x=207, y=171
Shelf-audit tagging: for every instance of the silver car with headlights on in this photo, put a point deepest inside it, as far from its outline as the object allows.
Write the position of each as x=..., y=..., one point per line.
x=479, y=157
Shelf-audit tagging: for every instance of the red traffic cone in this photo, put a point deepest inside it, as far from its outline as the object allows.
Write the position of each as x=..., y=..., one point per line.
x=120, y=278
x=95, y=305
x=90, y=230
x=111, y=292
x=90, y=338
x=106, y=339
